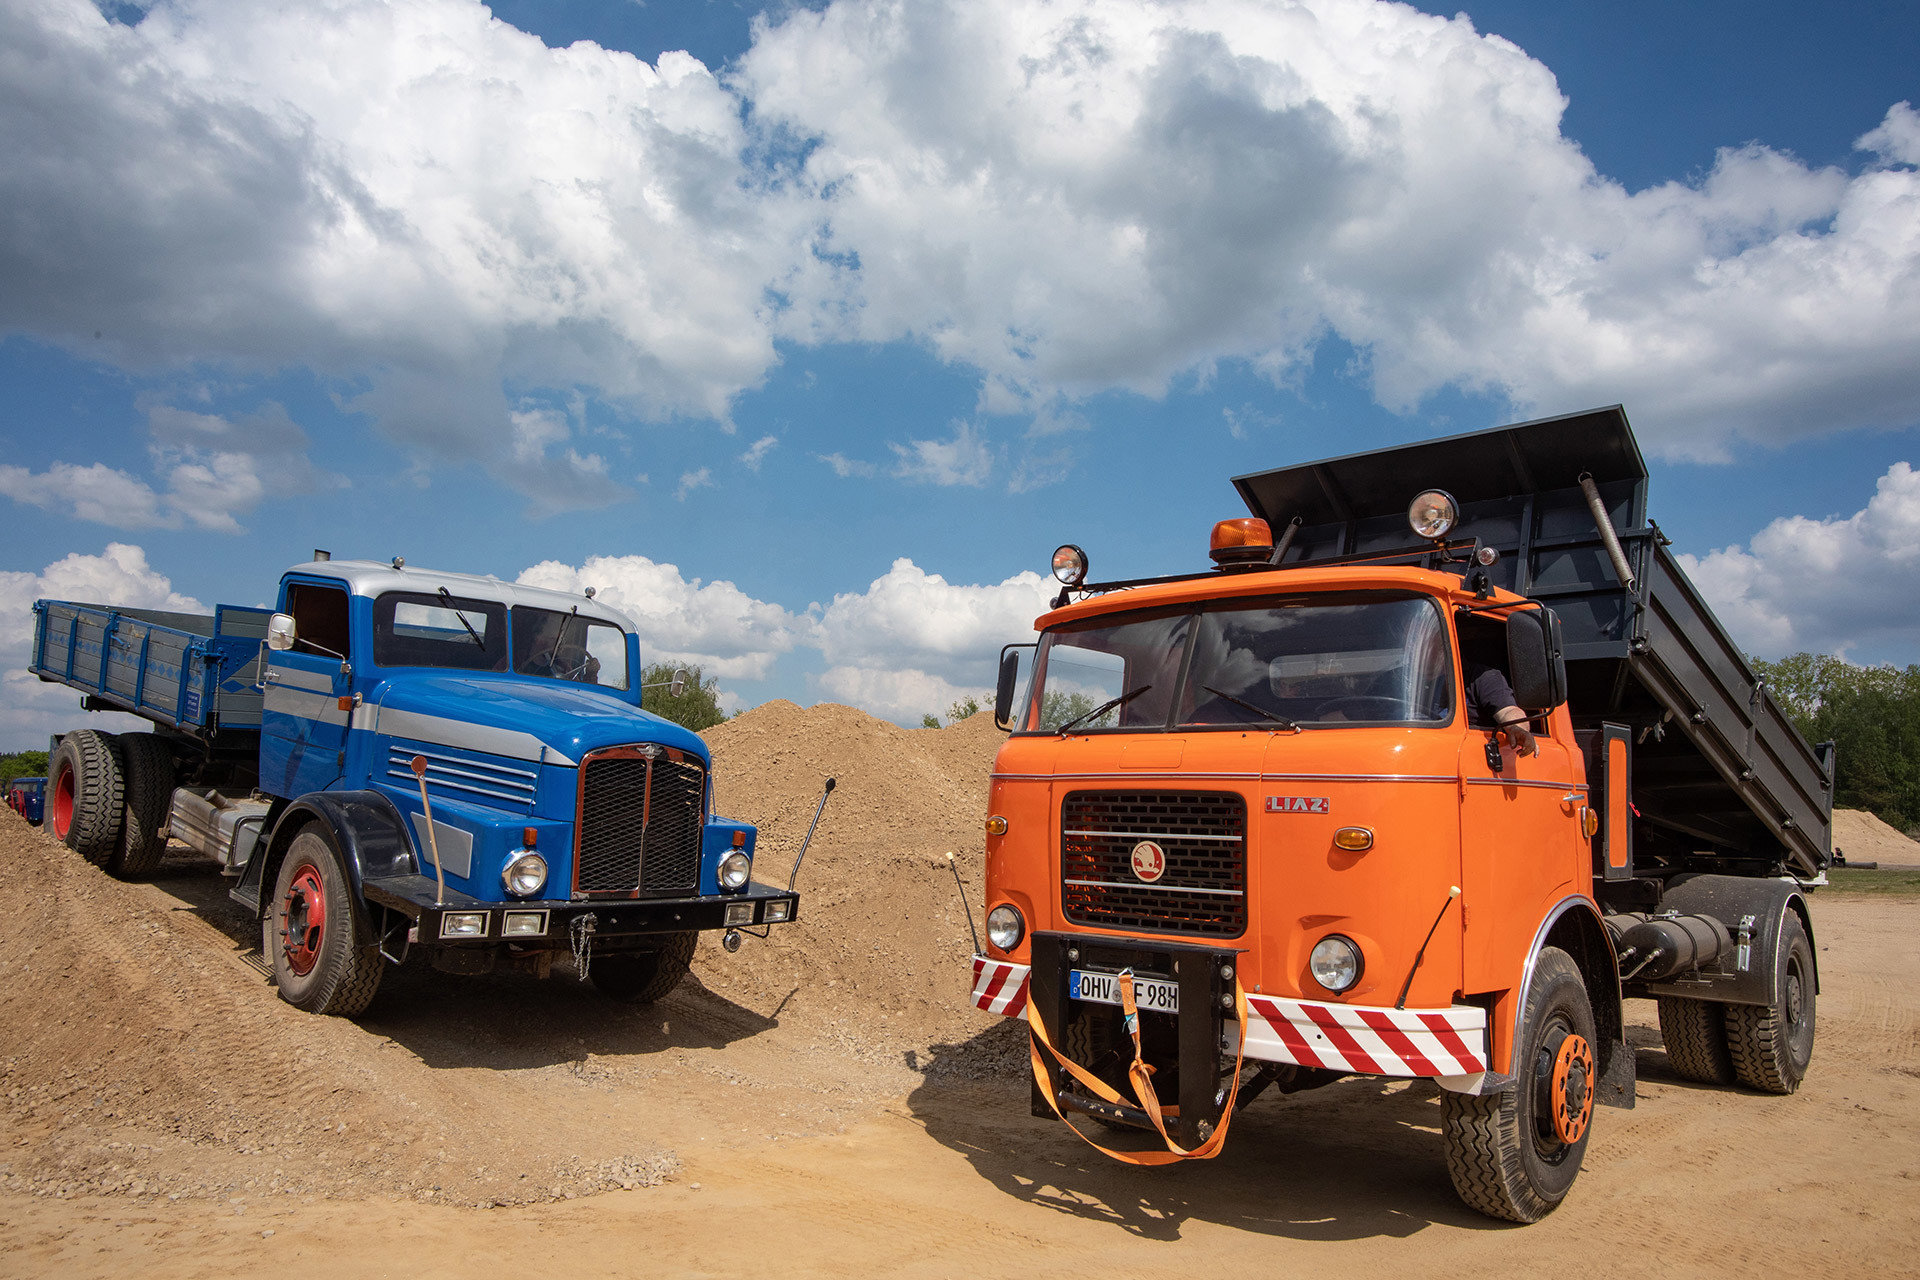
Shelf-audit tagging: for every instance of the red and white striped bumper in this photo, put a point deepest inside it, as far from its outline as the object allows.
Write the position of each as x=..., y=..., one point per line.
x=1447, y=1045
x=999, y=987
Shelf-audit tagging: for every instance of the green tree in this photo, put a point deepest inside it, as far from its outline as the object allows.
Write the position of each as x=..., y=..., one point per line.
x=696, y=708
x=929, y=721
x=962, y=708
x=1871, y=715
x=22, y=764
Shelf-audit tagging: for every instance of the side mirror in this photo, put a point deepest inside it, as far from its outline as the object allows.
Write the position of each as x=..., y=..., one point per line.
x=677, y=685
x=280, y=632
x=1003, y=689
x=1536, y=660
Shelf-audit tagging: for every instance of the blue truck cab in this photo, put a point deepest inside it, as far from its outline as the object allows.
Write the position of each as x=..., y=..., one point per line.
x=26, y=797
x=398, y=761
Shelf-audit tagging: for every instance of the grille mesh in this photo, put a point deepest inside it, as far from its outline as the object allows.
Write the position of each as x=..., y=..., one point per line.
x=627, y=846
x=1204, y=836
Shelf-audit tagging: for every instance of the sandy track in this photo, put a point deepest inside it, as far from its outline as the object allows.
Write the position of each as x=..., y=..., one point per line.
x=161, y=1112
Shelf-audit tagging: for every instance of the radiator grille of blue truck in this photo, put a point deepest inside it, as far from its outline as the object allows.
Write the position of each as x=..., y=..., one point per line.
x=1193, y=879
x=642, y=810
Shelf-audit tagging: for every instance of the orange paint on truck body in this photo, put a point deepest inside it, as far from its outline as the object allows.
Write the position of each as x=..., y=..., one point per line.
x=1440, y=817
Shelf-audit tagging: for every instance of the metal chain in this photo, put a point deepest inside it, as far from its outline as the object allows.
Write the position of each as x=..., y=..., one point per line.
x=580, y=933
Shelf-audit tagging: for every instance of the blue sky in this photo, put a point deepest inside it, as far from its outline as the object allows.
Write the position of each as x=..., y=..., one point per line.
x=806, y=339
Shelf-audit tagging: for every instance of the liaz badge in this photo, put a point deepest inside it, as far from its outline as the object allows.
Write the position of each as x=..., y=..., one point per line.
x=1297, y=804
x=1149, y=861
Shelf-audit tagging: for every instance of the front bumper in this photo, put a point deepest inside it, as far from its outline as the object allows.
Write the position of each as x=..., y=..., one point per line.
x=1448, y=1046
x=414, y=896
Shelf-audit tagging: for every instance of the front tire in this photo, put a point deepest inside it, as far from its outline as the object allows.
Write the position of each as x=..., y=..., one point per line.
x=1515, y=1154
x=1771, y=1045
x=85, y=794
x=147, y=771
x=315, y=932
x=642, y=977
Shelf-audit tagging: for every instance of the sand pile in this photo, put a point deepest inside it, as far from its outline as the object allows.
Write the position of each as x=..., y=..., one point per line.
x=877, y=962
x=1864, y=838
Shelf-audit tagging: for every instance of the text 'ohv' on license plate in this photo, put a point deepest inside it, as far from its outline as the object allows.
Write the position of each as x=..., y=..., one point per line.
x=1156, y=994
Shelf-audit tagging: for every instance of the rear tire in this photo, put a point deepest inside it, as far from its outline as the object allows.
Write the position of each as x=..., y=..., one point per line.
x=315, y=932
x=84, y=794
x=147, y=770
x=1507, y=1157
x=1696, y=1036
x=1771, y=1045
x=642, y=977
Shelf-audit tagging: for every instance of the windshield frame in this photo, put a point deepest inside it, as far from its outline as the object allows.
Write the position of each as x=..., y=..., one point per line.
x=1179, y=699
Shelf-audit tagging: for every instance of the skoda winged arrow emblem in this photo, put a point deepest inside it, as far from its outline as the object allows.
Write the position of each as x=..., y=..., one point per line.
x=1149, y=861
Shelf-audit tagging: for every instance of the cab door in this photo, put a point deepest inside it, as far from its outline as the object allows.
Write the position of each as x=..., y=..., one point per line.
x=303, y=728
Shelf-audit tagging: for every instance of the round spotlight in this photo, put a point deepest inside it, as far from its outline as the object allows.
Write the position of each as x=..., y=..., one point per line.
x=1487, y=557
x=1005, y=928
x=735, y=868
x=1433, y=513
x=1070, y=565
x=525, y=875
x=1335, y=963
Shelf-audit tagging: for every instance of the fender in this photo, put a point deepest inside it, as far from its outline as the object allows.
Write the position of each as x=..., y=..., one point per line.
x=1573, y=925
x=364, y=827
x=1729, y=899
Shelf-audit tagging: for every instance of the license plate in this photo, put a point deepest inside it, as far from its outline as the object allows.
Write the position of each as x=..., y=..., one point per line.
x=1155, y=994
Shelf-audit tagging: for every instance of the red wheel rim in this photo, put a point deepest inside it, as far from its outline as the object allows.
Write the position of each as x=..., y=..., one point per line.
x=1572, y=1089
x=303, y=919
x=63, y=803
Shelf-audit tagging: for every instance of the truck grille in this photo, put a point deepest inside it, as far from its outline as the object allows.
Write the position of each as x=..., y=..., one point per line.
x=641, y=814
x=1203, y=888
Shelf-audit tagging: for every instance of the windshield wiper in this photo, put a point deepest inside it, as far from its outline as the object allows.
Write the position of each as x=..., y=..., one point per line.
x=448, y=601
x=1262, y=712
x=1103, y=708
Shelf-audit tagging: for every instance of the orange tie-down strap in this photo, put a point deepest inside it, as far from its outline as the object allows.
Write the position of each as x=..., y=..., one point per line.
x=1140, y=1075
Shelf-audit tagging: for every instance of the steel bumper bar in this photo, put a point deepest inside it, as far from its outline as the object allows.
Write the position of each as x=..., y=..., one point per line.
x=536, y=920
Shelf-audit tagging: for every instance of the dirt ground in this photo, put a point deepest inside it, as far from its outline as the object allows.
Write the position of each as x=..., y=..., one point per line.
x=824, y=1103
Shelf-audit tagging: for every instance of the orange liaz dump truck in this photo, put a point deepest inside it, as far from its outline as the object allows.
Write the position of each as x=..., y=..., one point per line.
x=1424, y=787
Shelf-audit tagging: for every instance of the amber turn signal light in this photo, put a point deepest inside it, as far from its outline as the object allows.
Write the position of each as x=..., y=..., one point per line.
x=996, y=825
x=1354, y=839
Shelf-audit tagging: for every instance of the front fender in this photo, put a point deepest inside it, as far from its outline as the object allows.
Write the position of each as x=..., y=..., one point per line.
x=364, y=827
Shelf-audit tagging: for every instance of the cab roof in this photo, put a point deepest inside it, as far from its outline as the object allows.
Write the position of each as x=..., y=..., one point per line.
x=375, y=577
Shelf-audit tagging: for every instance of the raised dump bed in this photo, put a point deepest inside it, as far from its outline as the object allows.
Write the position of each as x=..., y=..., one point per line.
x=1721, y=779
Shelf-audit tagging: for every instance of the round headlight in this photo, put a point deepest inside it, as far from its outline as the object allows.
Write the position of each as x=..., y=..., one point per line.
x=734, y=870
x=525, y=875
x=1433, y=513
x=1070, y=565
x=1005, y=928
x=1335, y=962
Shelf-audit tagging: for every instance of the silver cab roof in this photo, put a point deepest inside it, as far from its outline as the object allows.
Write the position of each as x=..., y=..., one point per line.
x=374, y=577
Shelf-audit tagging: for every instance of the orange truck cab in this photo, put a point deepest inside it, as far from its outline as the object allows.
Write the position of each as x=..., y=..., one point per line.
x=1364, y=800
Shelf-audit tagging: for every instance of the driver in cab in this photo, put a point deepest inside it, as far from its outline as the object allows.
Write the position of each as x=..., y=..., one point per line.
x=558, y=651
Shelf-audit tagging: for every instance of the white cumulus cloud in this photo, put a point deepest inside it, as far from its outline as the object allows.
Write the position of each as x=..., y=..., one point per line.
x=714, y=624
x=1835, y=585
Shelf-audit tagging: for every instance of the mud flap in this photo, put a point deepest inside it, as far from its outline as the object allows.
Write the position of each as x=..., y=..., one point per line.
x=1191, y=1054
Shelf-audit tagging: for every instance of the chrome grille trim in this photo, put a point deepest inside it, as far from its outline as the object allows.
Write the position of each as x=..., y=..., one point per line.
x=502, y=784
x=640, y=817
x=1203, y=834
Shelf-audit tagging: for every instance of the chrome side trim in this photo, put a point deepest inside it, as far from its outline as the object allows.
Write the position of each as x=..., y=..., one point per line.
x=1526, y=782
x=484, y=739
x=455, y=845
x=1158, y=888
x=1156, y=835
x=1136, y=775
x=303, y=705
x=313, y=681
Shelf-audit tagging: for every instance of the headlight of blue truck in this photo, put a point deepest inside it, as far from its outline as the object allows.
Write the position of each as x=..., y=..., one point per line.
x=525, y=875
x=735, y=868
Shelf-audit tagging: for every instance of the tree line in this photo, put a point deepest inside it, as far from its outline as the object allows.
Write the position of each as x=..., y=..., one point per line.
x=1871, y=715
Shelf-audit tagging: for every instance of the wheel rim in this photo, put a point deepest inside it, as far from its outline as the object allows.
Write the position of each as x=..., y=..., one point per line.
x=63, y=803
x=303, y=919
x=1562, y=1090
x=1572, y=1089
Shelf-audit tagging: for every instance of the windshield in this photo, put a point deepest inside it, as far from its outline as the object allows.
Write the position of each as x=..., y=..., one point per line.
x=565, y=646
x=415, y=629
x=1284, y=663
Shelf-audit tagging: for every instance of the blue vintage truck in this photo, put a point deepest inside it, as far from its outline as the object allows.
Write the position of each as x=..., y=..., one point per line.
x=397, y=761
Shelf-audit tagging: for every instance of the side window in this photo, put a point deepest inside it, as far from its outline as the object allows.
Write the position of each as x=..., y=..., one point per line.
x=320, y=616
